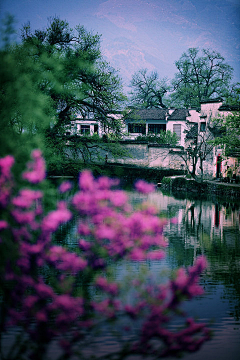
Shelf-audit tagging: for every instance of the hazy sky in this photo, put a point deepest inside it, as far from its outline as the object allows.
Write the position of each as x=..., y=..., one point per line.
x=150, y=34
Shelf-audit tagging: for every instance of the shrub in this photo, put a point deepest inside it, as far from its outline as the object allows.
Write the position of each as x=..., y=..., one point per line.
x=179, y=182
x=166, y=180
x=47, y=288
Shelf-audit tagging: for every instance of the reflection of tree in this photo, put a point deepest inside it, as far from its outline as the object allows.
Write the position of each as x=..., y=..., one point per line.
x=224, y=267
x=192, y=236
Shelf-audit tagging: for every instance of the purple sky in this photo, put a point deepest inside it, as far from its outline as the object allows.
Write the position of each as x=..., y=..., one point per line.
x=150, y=34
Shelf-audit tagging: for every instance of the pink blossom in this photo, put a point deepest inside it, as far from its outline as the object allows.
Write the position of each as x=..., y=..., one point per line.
x=43, y=290
x=65, y=186
x=137, y=254
x=182, y=278
x=83, y=229
x=5, y=165
x=27, y=249
x=68, y=304
x=23, y=217
x=72, y=262
x=105, y=232
x=156, y=255
x=3, y=225
x=30, y=301
x=55, y=253
x=41, y=316
x=102, y=307
x=174, y=220
x=86, y=181
x=143, y=187
x=118, y=198
x=85, y=203
x=5, y=179
x=65, y=260
x=36, y=169
x=199, y=265
x=104, y=183
x=84, y=245
x=102, y=283
x=26, y=198
x=195, y=290
x=57, y=217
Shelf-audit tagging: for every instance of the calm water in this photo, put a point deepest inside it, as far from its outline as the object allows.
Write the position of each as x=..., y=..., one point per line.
x=211, y=228
x=202, y=227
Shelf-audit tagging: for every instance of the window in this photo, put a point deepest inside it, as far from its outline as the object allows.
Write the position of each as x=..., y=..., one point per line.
x=85, y=129
x=137, y=128
x=96, y=128
x=177, y=130
x=203, y=126
x=156, y=128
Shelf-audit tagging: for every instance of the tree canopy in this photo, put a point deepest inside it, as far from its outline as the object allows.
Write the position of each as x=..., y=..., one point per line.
x=201, y=76
x=148, y=90
x=52, y=76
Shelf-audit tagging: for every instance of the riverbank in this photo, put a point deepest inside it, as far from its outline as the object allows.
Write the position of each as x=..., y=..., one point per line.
x=182, y=184
x=167, y=179
x=127, y=174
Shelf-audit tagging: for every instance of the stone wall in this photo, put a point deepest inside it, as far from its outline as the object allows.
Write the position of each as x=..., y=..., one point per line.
x=149, y=155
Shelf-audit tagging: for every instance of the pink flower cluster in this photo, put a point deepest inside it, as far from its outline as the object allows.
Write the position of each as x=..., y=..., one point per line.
x=144, y=187
x=48, y=287
x=5, y=179
x=36, y=169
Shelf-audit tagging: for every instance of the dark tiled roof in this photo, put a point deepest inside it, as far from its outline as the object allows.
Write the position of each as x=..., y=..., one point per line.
x=209, y=101
x=148, y=114
x=179, y=114
x=229, y=108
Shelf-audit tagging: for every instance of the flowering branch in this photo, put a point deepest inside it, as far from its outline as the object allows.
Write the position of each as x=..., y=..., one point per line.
x=50, y=291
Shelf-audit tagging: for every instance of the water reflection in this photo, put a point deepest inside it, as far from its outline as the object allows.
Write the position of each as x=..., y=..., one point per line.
x=211, y=228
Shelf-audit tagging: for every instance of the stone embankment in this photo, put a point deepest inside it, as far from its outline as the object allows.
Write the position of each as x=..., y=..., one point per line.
x=183, y=184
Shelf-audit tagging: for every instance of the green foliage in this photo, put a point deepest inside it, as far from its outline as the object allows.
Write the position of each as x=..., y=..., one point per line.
x=164, y=137
x=233, y=98
x=49, y=78
x=147, y=90
x=166, y=180
x=200, y=77
x=228, y=128
x=25, y=110
x=229, y=136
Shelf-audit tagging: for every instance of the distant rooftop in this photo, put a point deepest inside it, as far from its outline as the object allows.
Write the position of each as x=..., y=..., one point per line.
x=148, y=114
x=208, y=101
x=179, y=114
x=229, y=108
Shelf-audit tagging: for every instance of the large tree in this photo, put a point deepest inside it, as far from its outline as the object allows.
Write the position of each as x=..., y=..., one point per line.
x=201, y=76
x=68, y=71
x=25, y=110
x=228, y=128
x=148, y=90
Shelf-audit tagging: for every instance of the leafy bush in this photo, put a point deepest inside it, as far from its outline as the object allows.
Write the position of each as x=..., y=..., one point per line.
x=166, y=180
x=164, y=137
x=55, y=293
x=179, y=182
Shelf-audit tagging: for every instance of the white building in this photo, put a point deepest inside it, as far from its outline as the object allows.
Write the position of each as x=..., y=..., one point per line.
x=140, y=122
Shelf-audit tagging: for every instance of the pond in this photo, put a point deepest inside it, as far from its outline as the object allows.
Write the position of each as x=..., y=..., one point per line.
x=209, y=227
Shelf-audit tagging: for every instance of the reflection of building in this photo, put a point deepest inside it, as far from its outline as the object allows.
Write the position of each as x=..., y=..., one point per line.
x=196, y=219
